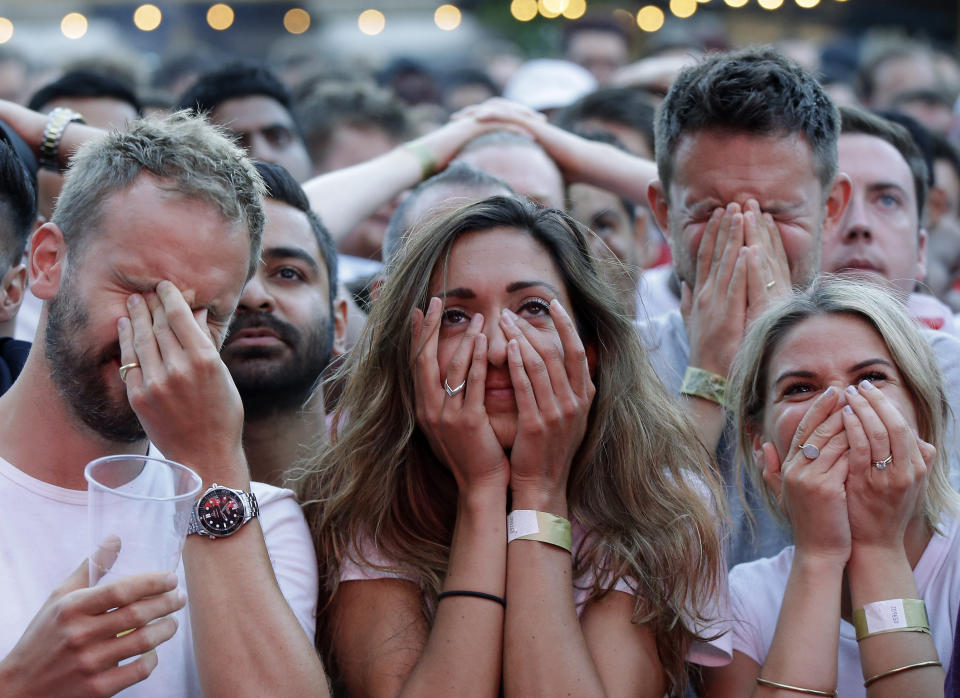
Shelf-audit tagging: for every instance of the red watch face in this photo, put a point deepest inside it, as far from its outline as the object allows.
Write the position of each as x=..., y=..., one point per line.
x=220, y=511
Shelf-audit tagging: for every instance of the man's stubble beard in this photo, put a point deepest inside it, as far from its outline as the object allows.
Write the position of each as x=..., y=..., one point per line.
x=270, y=388
x=78, y=375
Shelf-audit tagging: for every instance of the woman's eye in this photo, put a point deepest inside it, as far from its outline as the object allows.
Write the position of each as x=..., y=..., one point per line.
x=798, y=389
x=453, y=316
x=535, y=307
x=873, y=376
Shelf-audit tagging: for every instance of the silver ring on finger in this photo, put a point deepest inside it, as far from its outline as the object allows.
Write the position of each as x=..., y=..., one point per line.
x=771, y=284
x=453, y=391
x=810, y=451
x=882, y=464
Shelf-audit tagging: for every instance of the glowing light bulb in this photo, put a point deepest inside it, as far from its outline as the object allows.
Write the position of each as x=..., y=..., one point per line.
x=650, y=18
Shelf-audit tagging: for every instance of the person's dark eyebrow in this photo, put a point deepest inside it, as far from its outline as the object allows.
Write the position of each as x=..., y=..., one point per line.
x=852, y=369
x=460, y=292
x=880, y=186
x=793, y=374
x=520, y=285
x=869, y=362
x=299, y=253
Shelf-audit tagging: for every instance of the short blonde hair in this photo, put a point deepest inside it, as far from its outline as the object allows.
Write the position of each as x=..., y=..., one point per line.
x=910, y=351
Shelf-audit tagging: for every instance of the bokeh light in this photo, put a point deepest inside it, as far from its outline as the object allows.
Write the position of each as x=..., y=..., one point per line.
x=6, y=30
x=650, y=18
x=555, y=7
x=683, y=8
x=371, y=22
x=575, y=9
x=296, y=21
x=447, y=17
x=736, y=3
x=523, y=10
x=807, y=4
x=146, y=18
x=544, y=9
x=220, y=16
x=73, y=25
x=770, y=4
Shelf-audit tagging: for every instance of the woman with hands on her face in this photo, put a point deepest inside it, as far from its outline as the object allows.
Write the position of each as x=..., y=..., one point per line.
x=496, y=376
x=841, y=409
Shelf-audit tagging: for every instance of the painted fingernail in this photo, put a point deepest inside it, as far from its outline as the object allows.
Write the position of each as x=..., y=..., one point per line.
x=850, y=390
x=866, y=385
x=182, y=596
x=847, y=409
x=171, y=579
x=135, y=299
x=477, y=320
x=507, y=316
x=163, y=285
x=829, y=392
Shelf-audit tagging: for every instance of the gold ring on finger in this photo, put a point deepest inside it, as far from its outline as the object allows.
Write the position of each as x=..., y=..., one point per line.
x=126, y=367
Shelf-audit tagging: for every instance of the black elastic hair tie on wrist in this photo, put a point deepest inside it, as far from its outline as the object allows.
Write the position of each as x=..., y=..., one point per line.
x=478, y=594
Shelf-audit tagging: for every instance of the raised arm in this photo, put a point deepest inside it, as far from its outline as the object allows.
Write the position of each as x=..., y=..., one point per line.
x=547, y=650
x=244, y=632
x=383, y=645
x=803, y=653
x=580, y=159
x=345, y=197
x=888, y=538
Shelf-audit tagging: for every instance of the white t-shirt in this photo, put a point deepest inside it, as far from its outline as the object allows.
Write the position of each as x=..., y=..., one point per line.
x=43, y=538
x=714, y=653
x=757, y=588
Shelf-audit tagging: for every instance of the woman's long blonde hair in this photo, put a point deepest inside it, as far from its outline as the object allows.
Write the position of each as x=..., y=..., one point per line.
x=641, y=485
x=910, y=351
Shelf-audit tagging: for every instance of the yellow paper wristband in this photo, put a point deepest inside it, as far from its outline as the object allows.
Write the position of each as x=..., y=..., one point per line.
x=528, y=524
x=700, y=383
x=891, y=616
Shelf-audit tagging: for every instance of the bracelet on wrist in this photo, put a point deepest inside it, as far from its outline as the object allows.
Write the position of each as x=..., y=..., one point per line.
x=474, y=594
x=900, y=669
x=704, y=384
x=427, y=160
x=57, y=121
x=890, y=616
x=795, y=689
x=528, y=524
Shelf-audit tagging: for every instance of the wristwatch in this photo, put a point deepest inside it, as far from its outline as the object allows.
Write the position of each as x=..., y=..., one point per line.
x=221, y=511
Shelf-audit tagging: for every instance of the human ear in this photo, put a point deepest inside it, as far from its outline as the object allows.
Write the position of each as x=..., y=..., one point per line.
x=657, y=198
x=48, y=258
x=339, y=326
x=12, y=287
x=836, y=202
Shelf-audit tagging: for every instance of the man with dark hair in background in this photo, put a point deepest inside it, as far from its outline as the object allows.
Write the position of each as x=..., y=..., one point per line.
x=18, y=214
x=287, y=327
x=249, y=101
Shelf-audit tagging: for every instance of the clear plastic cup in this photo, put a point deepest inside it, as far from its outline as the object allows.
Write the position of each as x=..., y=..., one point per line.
x=139, y=509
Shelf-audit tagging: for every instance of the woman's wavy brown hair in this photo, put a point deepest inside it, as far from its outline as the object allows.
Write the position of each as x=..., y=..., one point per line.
x=640, y=484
